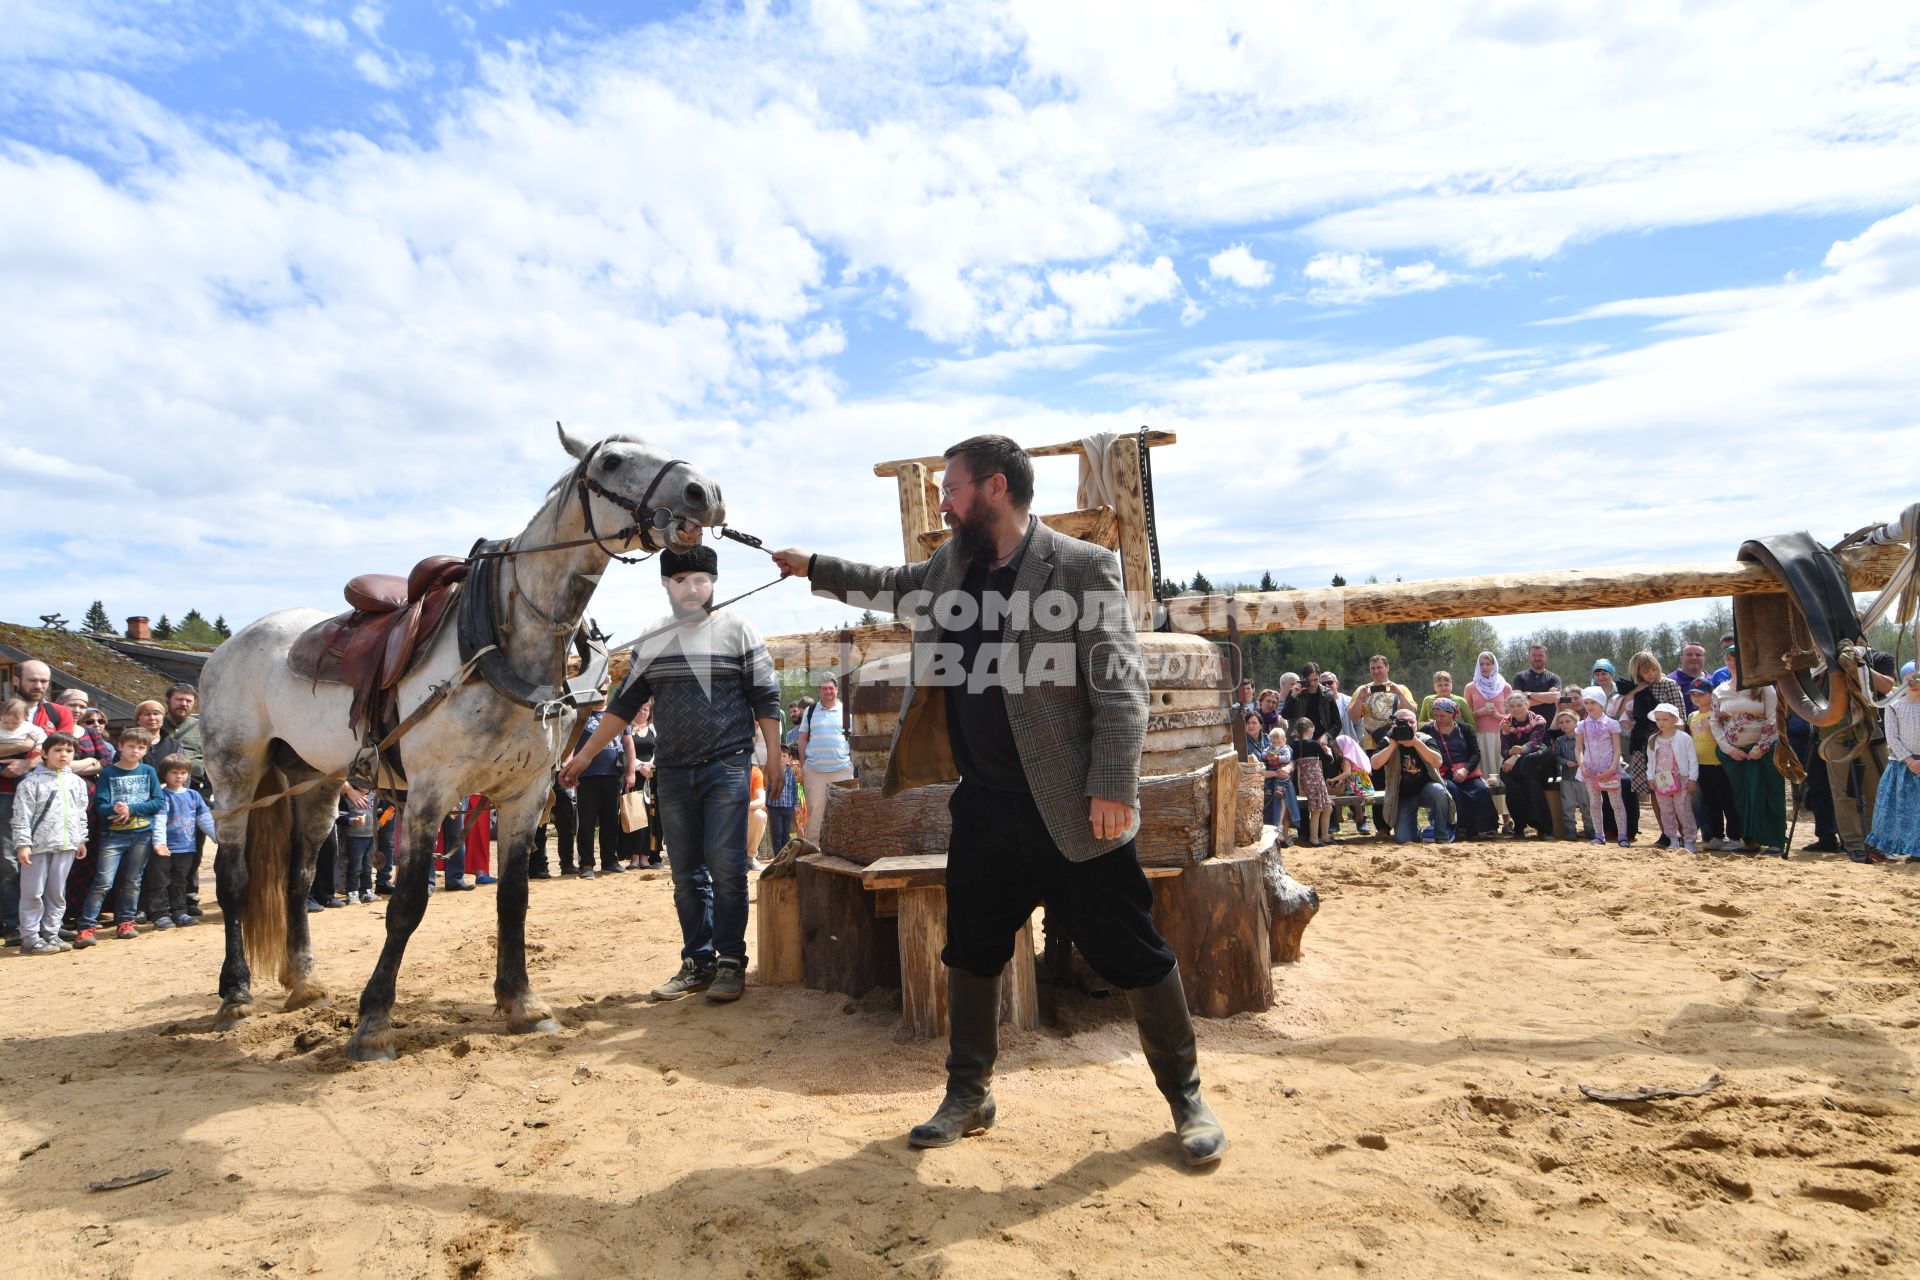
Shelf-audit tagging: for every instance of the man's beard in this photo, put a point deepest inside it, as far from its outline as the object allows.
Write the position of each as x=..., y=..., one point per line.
x=975, y=541
x=683, y=612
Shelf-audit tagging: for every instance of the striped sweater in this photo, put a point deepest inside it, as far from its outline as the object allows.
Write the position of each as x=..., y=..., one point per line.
x=710, y=680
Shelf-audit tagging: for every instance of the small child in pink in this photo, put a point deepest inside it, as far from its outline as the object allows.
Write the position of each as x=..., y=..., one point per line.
x=1598, y=742
x=1673, y=770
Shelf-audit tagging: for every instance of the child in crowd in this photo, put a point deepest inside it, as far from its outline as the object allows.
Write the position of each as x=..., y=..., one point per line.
x=128, y=797
x=1599, y=757
x=1576, y=813
x=1282, y=807
x=1312, y=762
x=1896, y=808
x=757, y=820
x=781, y=800
x=1355, y=776
x=1718, y=822
x=1672, y=773
x=49, y=833
x=16, y=728
x=187, y=813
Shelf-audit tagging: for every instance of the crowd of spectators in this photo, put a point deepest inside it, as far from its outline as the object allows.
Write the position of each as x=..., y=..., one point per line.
x=1686, y=752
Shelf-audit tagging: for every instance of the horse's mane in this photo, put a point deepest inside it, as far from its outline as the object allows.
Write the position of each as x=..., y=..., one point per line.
x=573, y=473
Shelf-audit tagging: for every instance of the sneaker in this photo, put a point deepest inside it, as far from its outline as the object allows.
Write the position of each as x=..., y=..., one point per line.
x=1600, y=840
x=84, y=938
x=66, y=934
x=125, y=929
x=194, y=908
x=185, y=921
x=615, y=870
x=313, y=906
x=384, y=890
x=586, y=875
x=1773, y=851
x=460, y=886
x=484, y=879
x=729, y=981
x=539, y=875
x=162, y=923
x=366, y=896
x=690, y=979
x=58, y=944
x=1626, y=844
x=35, y=949
x=1691, y=847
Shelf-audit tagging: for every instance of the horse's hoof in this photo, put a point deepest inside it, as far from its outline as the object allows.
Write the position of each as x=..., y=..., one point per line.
x=232, y=1014
x=544, y=1026
x=307, y=997
x=377, y=1047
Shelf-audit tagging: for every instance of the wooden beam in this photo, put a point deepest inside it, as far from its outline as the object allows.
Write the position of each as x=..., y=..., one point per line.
x=1071, y=449
x=1094, y=524
x=1498, y=595
x=1356, y=606
x=916, y=516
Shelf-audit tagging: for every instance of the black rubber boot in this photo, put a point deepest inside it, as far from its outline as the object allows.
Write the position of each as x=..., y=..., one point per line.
x=973, y=1040
x=1166, y=1036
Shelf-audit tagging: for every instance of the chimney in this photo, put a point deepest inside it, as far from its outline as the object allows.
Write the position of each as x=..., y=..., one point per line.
x=137, y=629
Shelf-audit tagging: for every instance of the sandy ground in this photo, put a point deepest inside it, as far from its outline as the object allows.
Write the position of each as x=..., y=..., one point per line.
x=1409, y=1107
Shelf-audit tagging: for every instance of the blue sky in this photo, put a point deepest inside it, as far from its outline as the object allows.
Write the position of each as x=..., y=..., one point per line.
x=308, y=282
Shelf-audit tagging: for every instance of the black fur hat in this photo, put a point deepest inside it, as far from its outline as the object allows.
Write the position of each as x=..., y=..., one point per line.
x=700, y=559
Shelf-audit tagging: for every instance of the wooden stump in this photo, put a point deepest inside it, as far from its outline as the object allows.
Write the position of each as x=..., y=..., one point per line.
x=1291, y=905
x=1214, y=915
x=845, y=946
x=777, y=917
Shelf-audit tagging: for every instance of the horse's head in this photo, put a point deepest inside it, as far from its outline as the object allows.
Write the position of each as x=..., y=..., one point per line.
x=625, y=483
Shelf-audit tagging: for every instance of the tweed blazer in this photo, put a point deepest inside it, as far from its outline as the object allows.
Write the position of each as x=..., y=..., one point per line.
x=1079, y=713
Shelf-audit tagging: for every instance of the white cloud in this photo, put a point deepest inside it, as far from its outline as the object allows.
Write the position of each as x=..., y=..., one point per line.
x=1344, y=278
x=1237, y=265
x=1115, y=293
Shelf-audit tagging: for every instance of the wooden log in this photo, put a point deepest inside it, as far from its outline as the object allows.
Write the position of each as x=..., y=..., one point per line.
x=862, y=827
x=1225, y=785
x=776, y=912
x=1497, y=595
x=1215, y=917
x=1291, y=905
x=916, y=517
x=845, y=946
x=1213, y=718
x=1094, y=524
x=1071, y=449
x=923, y=979
x=1206, y=735
x=1159, y=764
x=1130, y=529
x=1020, y=993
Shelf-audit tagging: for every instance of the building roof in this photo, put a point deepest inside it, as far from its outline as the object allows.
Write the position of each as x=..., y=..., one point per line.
x=113, y=682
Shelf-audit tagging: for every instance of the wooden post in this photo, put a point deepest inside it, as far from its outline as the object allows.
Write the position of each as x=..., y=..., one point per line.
x=1226, y=795
x=921, y=882
x=1215, y=916
x=777, y=918
x=1130, y=528
x=916, y=516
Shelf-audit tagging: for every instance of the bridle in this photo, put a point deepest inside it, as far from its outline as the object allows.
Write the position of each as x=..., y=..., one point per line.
x=650, y=523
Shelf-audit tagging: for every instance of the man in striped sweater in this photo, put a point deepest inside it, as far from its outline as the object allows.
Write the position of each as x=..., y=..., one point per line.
x=712, y=685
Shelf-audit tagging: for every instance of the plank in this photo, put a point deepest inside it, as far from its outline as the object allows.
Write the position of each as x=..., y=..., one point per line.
x=913, y=871
x=777, y=919
x=923, y=979
x=1225, y=785
x=1071, y=449
x=1130, y=529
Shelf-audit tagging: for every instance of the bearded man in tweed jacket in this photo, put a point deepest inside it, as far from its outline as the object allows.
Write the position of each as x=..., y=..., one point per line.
x=1028, y=688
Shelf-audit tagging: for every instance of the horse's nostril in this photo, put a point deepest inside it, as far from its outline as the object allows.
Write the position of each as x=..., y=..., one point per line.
x=696, y=496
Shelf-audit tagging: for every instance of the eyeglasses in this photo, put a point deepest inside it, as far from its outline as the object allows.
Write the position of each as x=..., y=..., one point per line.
x=946, y=492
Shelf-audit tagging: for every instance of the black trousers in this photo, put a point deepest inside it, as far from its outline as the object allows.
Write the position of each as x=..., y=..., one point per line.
x=598, y=801
x=1002, y=863
x=563, y=827
x=164, y=888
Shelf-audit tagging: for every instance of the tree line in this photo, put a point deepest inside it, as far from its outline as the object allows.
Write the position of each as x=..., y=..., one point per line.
x=193, y=628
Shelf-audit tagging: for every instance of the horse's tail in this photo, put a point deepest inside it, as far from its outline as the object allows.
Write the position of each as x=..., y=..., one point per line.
x=269, y=853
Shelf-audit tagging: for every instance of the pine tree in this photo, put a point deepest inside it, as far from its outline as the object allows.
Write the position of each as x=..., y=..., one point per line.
x=220, y=625
x=1338, y=581
x=868, y=617
x=1201, y=586
x=195, y=629
x=163, y=630
x=97, y=620
x=1266, y=581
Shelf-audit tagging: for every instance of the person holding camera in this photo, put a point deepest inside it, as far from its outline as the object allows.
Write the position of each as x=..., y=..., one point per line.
x=1409, y=766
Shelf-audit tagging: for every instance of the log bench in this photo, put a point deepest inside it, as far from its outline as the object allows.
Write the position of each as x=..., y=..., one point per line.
x=920, y=883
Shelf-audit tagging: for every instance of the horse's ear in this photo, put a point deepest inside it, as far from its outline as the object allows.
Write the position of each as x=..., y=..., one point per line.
x=574, y=446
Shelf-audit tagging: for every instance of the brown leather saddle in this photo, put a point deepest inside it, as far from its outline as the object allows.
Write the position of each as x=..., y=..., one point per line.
x=381, y=638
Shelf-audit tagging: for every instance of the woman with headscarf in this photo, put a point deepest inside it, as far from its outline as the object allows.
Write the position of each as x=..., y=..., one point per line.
x=1460, y=771
x=1487, y=695
x=1745, y=728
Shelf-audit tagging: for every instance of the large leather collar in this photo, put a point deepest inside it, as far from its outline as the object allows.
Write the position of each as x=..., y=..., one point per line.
x=479, y=628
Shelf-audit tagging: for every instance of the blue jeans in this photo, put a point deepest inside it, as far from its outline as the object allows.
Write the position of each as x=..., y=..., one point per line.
x=131, y=847
x=1406, y=823
x=703, y=818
